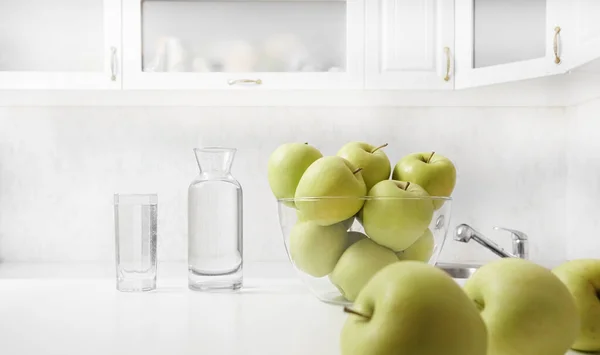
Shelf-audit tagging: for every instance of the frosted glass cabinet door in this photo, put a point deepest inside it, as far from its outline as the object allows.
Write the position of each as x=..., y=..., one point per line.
x=250, y=44
x=509, y=40
x=60, y=44
x=409, y=44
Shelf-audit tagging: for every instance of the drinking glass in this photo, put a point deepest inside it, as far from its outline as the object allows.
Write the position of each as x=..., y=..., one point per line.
x=135, y=238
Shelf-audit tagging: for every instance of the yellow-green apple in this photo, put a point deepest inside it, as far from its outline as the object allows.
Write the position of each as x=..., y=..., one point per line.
x=316, y=249
x=358, y=264
x=286, y=166
x=415, y=309
x=433, y=172
x=330, y=191
x=347, y=223
x=373, y=161
x=582, y=278
x=399, y=216
x=421, y=250
x=526, y=308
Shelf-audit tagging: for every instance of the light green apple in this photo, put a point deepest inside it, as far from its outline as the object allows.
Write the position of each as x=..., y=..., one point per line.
x=433, y=172
x=347, y=223
x=414, y=309
x=316, y=249
x=358, y=264
x=373, y=161
x=421, y=250
x=354, y=237
x=338, y=187
x=399, y=217
x=526, y=308
x=287, y=164
x=582, y=278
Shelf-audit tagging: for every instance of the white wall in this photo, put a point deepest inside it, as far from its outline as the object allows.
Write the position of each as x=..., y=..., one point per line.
x=583, y=189
x=59, y=168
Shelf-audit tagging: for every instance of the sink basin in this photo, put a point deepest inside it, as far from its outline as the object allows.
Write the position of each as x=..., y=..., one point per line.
x=458, y=271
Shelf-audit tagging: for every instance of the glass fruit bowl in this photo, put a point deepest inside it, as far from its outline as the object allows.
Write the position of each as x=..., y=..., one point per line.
x=336, y=244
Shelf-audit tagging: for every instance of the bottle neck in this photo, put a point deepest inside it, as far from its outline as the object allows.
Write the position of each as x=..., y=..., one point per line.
x=214, y=161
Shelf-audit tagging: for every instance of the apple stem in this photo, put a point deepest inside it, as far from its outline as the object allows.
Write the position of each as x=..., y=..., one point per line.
x=431, y=156
x=357, y=171
x=351, y=311
x=407, y=185
x=381, y=146
x=306, y=143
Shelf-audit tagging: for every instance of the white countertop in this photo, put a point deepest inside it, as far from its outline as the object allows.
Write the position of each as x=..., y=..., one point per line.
x=61, y=309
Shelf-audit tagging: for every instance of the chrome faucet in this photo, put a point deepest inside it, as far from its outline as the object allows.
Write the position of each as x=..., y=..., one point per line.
x=520, y=246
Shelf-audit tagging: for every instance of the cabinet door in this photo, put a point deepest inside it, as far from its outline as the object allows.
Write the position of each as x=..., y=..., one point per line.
x=504, y=41
x=409, y=44
x=60, y=44
x=582, y=37
x=243, y=45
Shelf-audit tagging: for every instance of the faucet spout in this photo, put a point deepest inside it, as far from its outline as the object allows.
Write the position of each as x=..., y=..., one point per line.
x=464, y=234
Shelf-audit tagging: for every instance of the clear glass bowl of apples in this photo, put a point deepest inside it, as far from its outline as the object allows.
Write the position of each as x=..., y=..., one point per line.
x=345, y=217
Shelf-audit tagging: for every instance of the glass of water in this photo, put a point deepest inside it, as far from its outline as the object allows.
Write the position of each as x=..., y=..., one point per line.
x=135, y=238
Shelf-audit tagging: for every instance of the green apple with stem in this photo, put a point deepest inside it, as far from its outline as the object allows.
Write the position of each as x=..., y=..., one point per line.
x=415, y=309
x=526, y=308
x=316, y=249
x=372, y=159
x=433, y=172
x=421, y=250
x=330, y=191
x=582, y=278
x=358, y=264
x=286, y=166
x=398, y=215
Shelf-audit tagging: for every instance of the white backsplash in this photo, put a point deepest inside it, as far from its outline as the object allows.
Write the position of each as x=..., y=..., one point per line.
x=59, y=168
x=583, y=188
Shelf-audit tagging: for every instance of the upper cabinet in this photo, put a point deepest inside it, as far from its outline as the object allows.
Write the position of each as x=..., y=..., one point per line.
x=251, y=44
x=582, y=39
x=510, y=40
x=409, y=44
x=60, y=44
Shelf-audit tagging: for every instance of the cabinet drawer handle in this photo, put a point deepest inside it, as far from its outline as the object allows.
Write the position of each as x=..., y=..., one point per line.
x=556, y=39
x=245, y=81
x=113, y=64
x=447, y=51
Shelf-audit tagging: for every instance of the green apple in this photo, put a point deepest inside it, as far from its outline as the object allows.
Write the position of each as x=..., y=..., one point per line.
x=287, y=164
x=347, y=223
x=337, y=186
x=414, y=309
x=315, y=249
x=527, y=309
x=582, y=278
x=354, y=237
x=399, y=217
x=373, y=161
x=421, y=250
x=358, y=264
x=433, y=172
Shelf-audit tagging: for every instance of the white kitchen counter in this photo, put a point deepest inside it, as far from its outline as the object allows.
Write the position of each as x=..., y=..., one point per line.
x=63, y=309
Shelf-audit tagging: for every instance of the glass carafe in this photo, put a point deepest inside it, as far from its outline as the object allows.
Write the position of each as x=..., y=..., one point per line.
x=215, y=223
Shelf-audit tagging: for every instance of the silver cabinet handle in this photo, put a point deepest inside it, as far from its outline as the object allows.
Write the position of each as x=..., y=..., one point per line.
x=245, y=81
x=113, y=63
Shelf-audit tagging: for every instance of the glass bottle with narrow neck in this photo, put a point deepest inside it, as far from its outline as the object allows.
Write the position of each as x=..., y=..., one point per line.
x=215, y=223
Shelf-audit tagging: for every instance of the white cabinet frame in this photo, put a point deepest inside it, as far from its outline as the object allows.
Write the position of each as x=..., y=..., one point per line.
x=136, y=78
x=109, y=78
x=467, y=76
